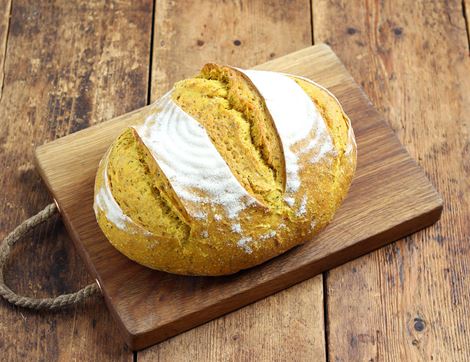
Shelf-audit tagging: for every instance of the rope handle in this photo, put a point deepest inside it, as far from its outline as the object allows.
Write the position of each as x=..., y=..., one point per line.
x=36, y=303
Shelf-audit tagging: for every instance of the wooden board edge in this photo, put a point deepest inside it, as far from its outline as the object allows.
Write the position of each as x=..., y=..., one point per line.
x=139, y=340
x=41, y=150
x=128, y=336
x=320, y=47
x=37, y=160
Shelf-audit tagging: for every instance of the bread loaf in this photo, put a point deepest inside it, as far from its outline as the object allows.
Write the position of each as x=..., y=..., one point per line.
x=227, y=170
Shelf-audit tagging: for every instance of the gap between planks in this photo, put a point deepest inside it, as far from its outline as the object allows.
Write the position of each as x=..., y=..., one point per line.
x=465, y=13
x=324, y=274
x=149, y=82
x=5, y=47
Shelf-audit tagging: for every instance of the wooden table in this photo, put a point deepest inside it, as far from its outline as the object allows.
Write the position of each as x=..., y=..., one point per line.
x=70, y=64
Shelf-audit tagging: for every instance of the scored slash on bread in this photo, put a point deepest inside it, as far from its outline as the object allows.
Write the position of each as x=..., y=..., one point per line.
x=230, y=169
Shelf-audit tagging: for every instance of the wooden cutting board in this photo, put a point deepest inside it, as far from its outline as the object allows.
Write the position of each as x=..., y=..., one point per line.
x=390, y=198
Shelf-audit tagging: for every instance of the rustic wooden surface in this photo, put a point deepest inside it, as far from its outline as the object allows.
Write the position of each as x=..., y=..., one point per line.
x=152, y=306
x=408, y=301
x=376, y=318
x=66, y=65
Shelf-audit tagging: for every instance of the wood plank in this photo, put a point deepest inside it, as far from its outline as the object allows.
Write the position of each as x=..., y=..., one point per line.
x=187, y=35
x=285, y=326
x=67, y=65
x=152, y=306
x=408, y=301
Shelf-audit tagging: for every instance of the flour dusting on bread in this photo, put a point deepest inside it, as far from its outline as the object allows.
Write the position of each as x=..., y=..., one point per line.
x=296, y=118
x=194, y=167
x=105, y=202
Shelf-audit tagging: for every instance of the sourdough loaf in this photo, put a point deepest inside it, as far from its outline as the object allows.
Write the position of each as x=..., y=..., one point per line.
x=227, y=170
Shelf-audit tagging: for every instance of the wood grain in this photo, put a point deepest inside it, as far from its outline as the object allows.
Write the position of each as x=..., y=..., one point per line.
x=345, y=26
x=152, y=306
x=408, y=301
x=288, y=325
x=281, y=327
x=66, y=65
x=242, y=33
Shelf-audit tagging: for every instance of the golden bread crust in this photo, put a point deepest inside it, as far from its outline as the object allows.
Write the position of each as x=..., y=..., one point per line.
x=160, y=233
